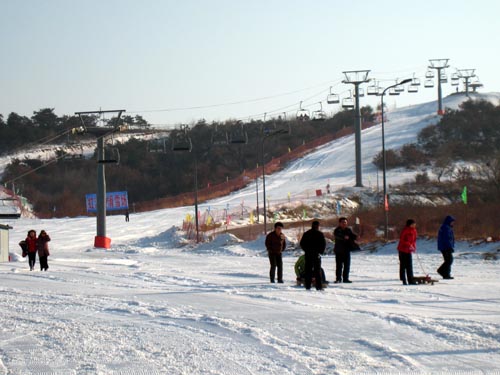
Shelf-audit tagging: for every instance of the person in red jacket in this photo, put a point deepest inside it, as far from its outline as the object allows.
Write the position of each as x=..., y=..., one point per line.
x=31, y=243
x=406, y=246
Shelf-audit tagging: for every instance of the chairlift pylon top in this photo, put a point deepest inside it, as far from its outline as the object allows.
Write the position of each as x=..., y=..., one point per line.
x=438, y=63
x=356, y=76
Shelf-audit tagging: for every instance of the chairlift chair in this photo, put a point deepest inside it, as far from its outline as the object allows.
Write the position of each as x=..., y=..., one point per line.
x=415, y=82
x=332, y=98
x=348, y=103
x=429, y=83
x=399, y=88
x=157, y=145
x=280, y=126
x=114, y=159
x=474, y=85
x=238, y=135
x=361, y=92
x=372, y=90
x=393, y=91
x=219, y=136
x=429, y=74
x=181, y=140
x=455, y=79
x=319, y=115
x=412, y=88
x=443, y=78
x=302, y=114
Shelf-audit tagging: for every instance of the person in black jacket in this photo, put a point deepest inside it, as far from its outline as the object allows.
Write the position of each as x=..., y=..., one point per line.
x=344, y=243
x=313, y=243
x=42, y=244
x=275, y=244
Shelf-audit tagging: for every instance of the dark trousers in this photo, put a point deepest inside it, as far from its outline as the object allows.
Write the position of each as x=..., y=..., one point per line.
x=405, y=267
x=44, y=265
x=445, y=269
x=313, y=266
x=32, y=259
x=343, y=263
x=276, y=262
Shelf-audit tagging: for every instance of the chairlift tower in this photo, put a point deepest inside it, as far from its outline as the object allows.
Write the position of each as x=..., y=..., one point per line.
x=439, y=64
x=101, y=132
x=466, y=74
x=356, y=78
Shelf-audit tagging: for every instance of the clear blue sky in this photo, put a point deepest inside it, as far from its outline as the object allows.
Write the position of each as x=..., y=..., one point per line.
x=150, y=55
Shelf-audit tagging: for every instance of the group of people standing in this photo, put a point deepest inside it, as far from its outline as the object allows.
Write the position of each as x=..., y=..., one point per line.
x=33, y=245
x=313, y=243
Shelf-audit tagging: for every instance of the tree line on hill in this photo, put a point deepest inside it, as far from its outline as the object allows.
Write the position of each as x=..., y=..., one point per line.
x=58, y=187
x=22, y=133
x=470, y=134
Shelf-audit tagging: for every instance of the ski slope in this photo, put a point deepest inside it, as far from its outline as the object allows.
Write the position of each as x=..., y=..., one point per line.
x=153, y=304
x=334, y=163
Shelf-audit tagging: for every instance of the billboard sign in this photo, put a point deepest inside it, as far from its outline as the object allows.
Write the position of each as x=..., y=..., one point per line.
x=115, y=201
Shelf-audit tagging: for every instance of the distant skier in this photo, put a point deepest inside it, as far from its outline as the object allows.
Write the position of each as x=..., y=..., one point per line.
x=43, y=250
x=446, y=244
x=313, y=243
x=31, y=243
x=127, y=218
x=406, y=246
x=345, y=242
x=275, y=245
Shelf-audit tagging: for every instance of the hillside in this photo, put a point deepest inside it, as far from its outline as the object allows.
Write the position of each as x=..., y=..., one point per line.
x=331, y=164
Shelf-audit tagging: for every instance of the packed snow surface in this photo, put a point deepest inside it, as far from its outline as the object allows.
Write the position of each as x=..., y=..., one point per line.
x=154, y=304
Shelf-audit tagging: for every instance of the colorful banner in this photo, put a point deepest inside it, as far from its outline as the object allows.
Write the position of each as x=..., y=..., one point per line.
x=115, y=201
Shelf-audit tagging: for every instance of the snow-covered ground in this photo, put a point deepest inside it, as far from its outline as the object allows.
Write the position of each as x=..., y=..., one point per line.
x=153, y=304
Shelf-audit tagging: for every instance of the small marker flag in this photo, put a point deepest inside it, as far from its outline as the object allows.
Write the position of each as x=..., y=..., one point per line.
x=464, y=195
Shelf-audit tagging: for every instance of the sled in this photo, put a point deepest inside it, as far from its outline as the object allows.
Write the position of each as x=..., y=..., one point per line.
x=425, y=280
x=300, y=282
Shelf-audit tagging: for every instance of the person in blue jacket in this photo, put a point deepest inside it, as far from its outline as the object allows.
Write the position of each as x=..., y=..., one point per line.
x=446, y=244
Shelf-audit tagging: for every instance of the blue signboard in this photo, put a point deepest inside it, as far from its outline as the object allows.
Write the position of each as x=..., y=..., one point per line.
x=115, y=201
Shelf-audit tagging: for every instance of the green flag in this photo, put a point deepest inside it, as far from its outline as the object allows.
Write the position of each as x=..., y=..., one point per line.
x=464, y=195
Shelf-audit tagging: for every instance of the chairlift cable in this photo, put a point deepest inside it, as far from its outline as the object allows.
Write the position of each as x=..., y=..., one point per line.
x=280, y=110
x=233, y=103
x=45, y=164
x=41, y=141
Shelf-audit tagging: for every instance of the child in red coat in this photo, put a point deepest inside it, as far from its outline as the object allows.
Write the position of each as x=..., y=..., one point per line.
x=406, y=246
